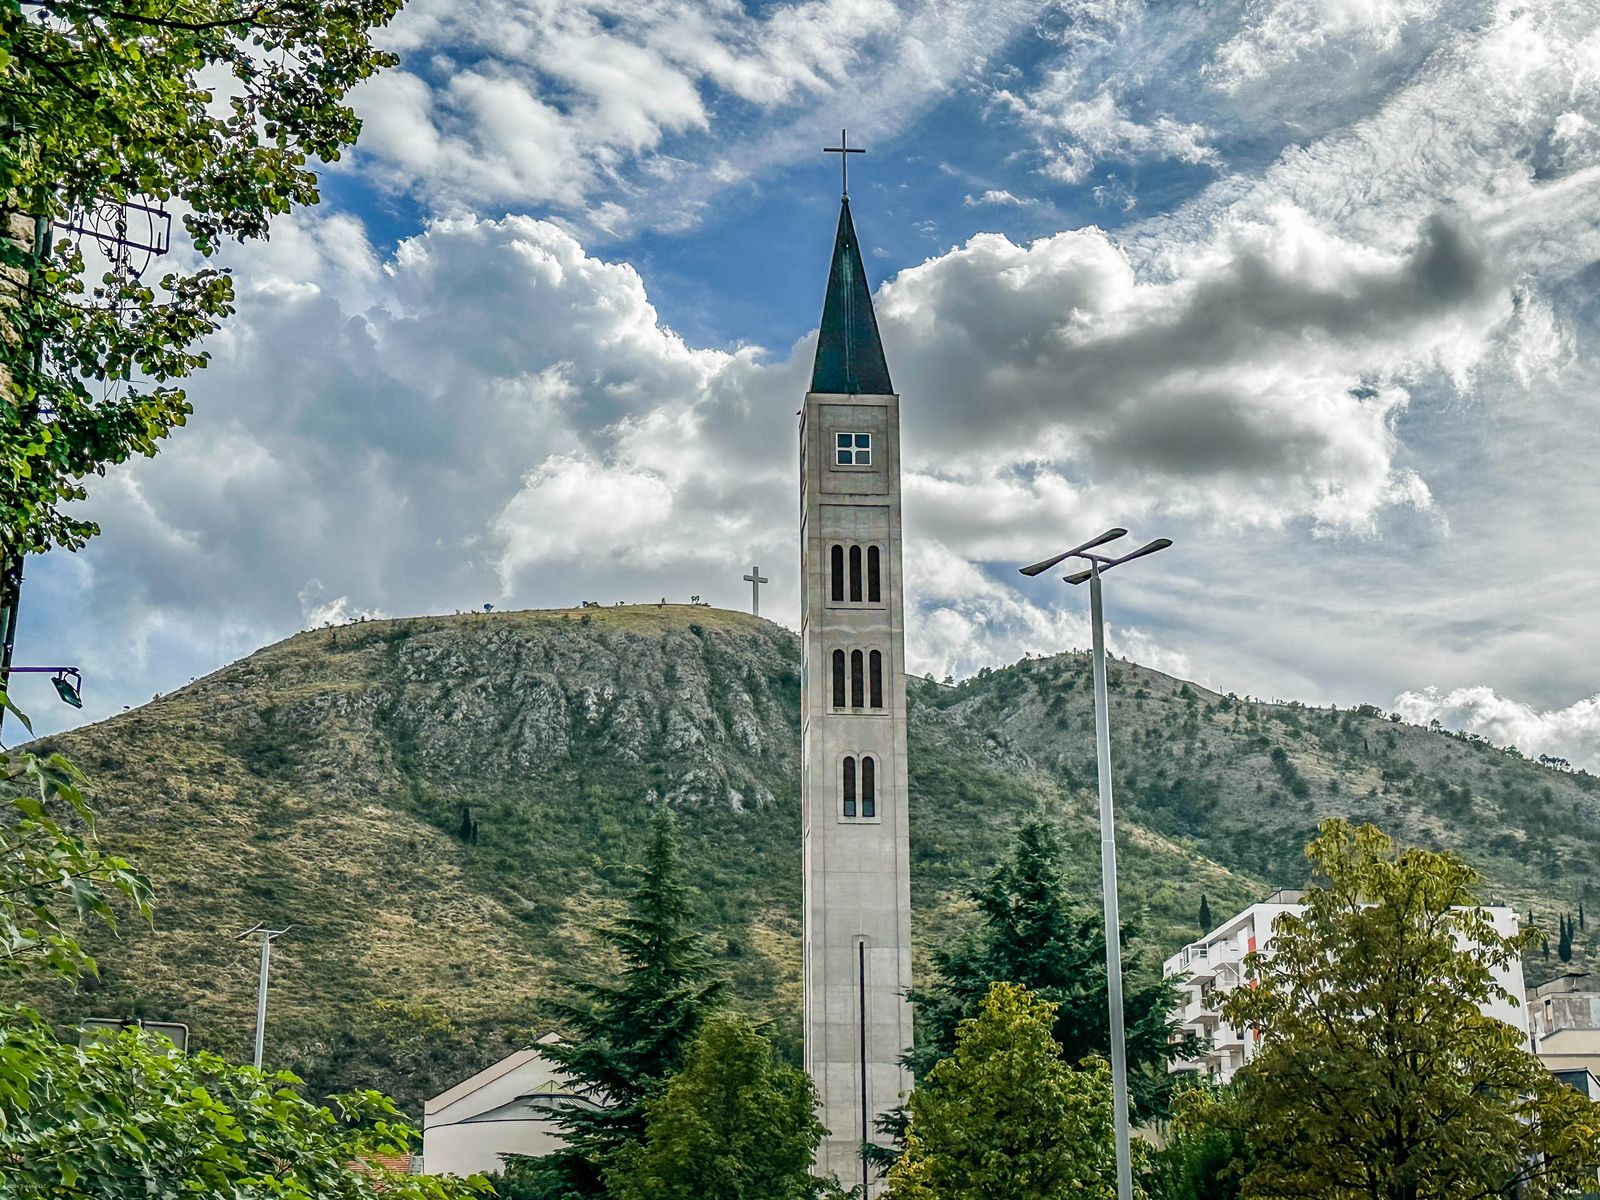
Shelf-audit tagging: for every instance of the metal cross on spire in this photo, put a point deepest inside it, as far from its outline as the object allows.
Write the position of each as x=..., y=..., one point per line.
x=844, y=150
x=755, y=579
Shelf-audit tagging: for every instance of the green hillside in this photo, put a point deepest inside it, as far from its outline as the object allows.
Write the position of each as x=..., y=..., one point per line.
x=443, y=806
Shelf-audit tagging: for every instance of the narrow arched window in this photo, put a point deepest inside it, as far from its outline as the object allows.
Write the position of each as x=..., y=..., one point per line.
x=869, y=786
x=838, y=678
x=850, y=786
x=858, y=683
x=836, y=572
x=874, y=589
x=875, y=679
x=855, y=574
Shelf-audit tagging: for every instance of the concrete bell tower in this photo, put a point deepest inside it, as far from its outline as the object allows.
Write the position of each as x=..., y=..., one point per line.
x=855, y=833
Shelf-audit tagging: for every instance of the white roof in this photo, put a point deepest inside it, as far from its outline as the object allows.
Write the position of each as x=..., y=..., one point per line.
x=481, y=1080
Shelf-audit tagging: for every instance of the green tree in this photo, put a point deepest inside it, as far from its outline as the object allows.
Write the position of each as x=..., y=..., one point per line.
x=733, y=1124
x=1564, y=946
x=129, y=1117
x=1035, y=933
x=626, y=1038
x=1005, y=1116
x=218, y=106
x=1378, y=1076
x=52, y=876
x=1205, y=914
x=1204, y=1154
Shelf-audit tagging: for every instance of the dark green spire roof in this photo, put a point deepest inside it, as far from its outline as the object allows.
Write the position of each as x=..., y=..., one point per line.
x=849, y=355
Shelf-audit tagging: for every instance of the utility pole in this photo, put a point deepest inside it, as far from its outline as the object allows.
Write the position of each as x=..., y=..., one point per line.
x=267, y=936
x=1099, y=563
x=16, y=286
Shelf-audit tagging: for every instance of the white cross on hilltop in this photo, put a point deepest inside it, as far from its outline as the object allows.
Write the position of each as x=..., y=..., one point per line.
x=755, y=579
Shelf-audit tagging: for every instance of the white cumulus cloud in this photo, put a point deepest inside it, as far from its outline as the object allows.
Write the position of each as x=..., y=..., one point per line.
x=1572, y=733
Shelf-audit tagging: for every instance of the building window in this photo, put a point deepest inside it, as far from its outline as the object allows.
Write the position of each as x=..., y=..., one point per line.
x=858, y=683
x=875, y=679
x=850, y=786
x=869, y=786
x=838, y=678
x=853, y=450
x=855, y=574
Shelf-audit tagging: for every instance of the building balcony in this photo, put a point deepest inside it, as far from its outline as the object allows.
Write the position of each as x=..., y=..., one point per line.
x=1226, y=1038
x=1193, y=961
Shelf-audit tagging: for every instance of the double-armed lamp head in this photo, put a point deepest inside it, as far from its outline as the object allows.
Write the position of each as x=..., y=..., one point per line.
x=1097, y=562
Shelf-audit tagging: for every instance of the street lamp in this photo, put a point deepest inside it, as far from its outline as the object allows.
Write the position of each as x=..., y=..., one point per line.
x=1098, y=565
x=68, y=683
x=267, y=938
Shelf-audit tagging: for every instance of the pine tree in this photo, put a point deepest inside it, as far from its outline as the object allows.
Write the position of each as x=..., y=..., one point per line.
x=1564, y=949
x=625, y=1037
x=1205, y=914
x=1037, y=934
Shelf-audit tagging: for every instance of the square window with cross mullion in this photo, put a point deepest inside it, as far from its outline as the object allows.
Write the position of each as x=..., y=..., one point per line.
x=853, y=450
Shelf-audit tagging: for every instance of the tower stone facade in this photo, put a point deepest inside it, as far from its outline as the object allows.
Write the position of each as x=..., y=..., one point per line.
x=856, y=838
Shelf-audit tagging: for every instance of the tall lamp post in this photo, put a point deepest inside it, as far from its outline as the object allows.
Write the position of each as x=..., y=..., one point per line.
x=268, y=936
x=1098, y=565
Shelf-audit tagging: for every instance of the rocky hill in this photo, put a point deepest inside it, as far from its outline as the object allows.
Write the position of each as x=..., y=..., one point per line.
x=442, y=807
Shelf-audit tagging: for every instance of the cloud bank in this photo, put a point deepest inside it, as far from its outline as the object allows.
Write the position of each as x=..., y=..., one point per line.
x=1308, y=362
x=1572, y=733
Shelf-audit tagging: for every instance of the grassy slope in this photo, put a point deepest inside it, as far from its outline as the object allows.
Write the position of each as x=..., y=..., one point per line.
x=322, y=782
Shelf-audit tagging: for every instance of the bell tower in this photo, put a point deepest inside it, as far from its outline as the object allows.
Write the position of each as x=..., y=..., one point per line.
x=855, y=834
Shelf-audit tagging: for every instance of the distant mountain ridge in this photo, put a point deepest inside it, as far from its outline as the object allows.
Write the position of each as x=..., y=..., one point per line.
x=443, y=806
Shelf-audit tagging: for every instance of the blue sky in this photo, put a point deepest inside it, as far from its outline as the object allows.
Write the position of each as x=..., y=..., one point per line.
x=1306, y=285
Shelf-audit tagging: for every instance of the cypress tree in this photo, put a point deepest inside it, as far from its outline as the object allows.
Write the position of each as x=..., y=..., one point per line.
x=1564, y=950
x=1205, y=914
x=628, y=1035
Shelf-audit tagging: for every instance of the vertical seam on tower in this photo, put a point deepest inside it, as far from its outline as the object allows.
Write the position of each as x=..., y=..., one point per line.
x=861, y=947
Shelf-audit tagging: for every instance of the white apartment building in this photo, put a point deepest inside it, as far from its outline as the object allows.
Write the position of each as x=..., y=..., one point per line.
x=1208, y=969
